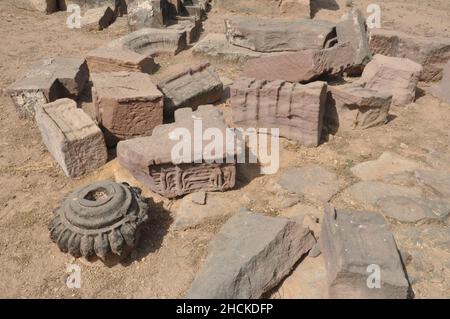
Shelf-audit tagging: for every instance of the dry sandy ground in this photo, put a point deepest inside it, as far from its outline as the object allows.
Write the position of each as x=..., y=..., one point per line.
x=167, y=260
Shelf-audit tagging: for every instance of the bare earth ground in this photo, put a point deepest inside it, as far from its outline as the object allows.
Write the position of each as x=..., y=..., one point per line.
x=167, y=260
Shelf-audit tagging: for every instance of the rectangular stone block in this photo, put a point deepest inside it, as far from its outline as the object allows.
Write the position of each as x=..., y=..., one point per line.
x=71, y=137
x=267, y=8
x=45, y=6
x=250, y=255
x=297, y=110
x=361, y=256
x=351, y=107
x=127, y=105
x=98, y=18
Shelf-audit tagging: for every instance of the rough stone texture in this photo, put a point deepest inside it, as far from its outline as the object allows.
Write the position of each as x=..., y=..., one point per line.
x=98, y=18
x=250, y=255
x=100, y=219
x=199, y=198
x=351, y=242
x=414, y=210
x=439, y=181
x=297, y=110
x=268, y=8
x=191, y=26
x=148, y=14
x=127, y=105
x=303, y=66
x=274, y=35
x=216, y=46
x=47, y=81
x=71, y=137
x=45, y=6
x=134, y=51
x=197, y=85
x=396, y=76
x=150, y=159
x=431, y=52
x=311, y=181
x=387, y=164
x=370, y=192
x=442, y=90
x=351, y=107
x=352, y=28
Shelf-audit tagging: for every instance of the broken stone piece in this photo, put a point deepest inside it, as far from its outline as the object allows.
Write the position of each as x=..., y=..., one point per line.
x=275, y=35
x=127, y=105
x=71, y=137
x=134, y=51
x=442, y=89
x=150, y=159
x=396, y=76
x=304, y=66
x=267, y=8
x=361, y=256
x=191, y=26
x=199, y=198
x=351, y=107
x=101, y=219
x=431, y=52
x=297, y=110
x=250, y=255
x=98, y=18
x=191, y=87
x=148, y=14
x=47, y=81
x=45, y=6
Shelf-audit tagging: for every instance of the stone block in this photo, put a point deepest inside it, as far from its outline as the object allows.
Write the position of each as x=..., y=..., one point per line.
x=97, y=18
x=442, y=89
x=44, y=6
x=267, y=8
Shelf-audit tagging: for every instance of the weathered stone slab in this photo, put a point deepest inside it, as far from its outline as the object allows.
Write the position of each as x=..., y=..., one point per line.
x=150, y=159
x=268, y=8
x=134, y=51
x=353, y=242
x=191, y=26
x=351, y=107
x=127, y=105
x=216, y=46
x=431, y=52
x=45, y=6
x=396, y=76
x=439, y=181
x=304, y=66
x=148, y=14
x=98, y=18
x=72, y=137
x=352, y=28
x=314, y=182
x=442, y=89
x=250, y=255
x=274, y=35
x=197, y=85
x=47, y=81
x=297, y=110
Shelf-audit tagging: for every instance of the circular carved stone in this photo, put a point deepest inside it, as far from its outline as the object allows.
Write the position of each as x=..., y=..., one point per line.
x=99, y=219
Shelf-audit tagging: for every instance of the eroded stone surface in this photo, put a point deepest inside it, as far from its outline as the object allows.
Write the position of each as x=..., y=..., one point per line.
x=250, y=255
x=297, y=110
x=72, y=137
x=98, y=18
x=268, y=8
x=439, y=181
x=45, y=6
x=151, y=161
x=127, y=105
x=442, y=89
x=352, y=242
x=148, y=14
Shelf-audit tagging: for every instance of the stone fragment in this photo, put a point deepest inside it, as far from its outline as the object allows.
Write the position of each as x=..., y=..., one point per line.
x=134, y=51
x=45, y=6
x=351, y=107
x=396, y=76
x=216, y=46
x=355, y=245
x=47, y=81
x=370, y=192
x=277, y=35
x=150, y=159
x=311, y=181
x=431, y=52
x=148, y=14
x=192, y=27
x=199, y=198
x=304, y=66
x=267, y=8
x=352, y=28
x=127, y=105
x=98, y=18
x=191, y=87
x=387, y=164
x=250, y=255
x=297, y=110
x=71, y=137
x=439, y=181
x=442, y=89
x=414, y=210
